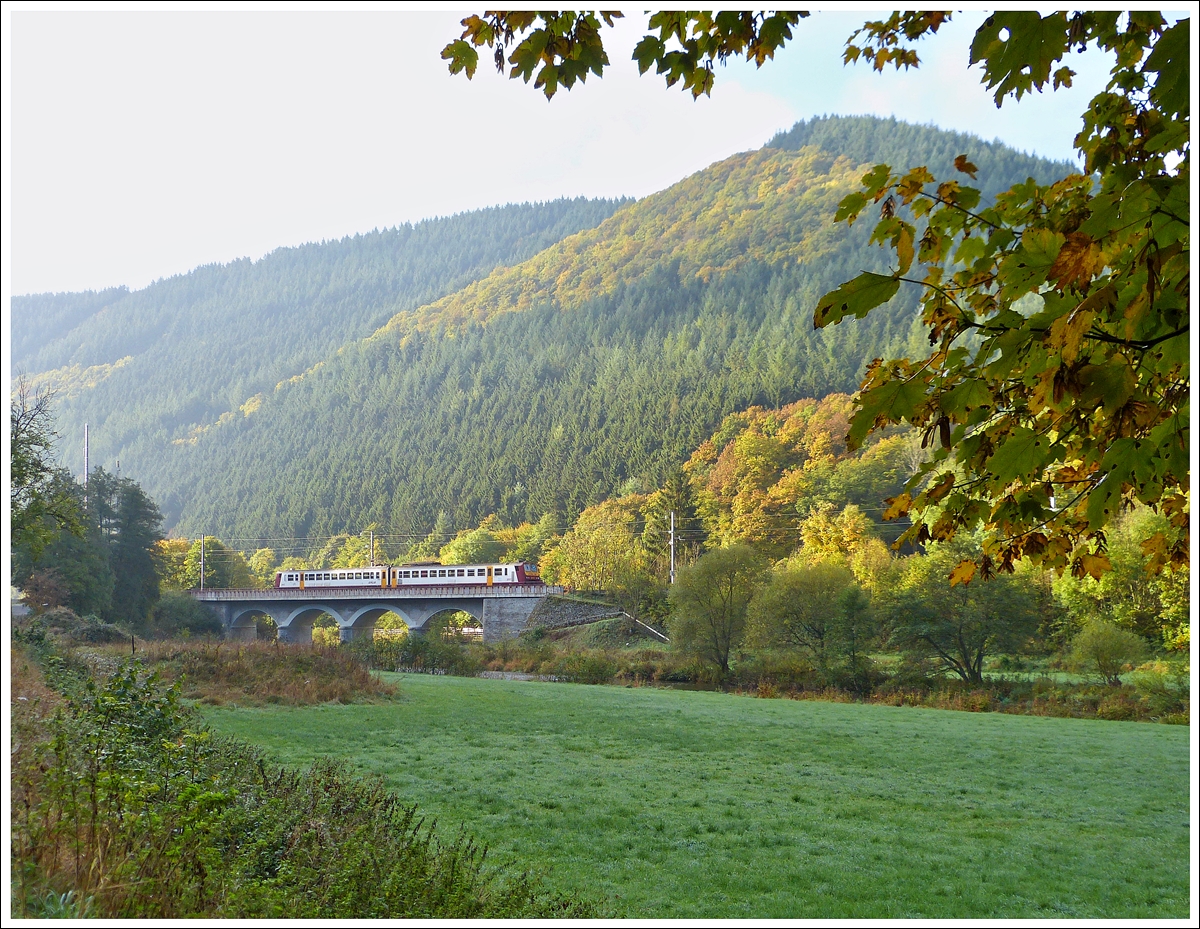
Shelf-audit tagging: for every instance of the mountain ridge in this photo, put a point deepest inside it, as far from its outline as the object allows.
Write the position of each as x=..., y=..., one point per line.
x=549, y=383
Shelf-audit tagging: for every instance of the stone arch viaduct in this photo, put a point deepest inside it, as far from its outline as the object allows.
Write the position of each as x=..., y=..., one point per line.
x=502, y=610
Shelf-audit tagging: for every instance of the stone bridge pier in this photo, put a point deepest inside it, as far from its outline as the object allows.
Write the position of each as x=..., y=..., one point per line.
x=502, y=612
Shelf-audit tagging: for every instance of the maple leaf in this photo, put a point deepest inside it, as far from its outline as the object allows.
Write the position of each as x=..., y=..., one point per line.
x=1079, y=260
x=962, y=573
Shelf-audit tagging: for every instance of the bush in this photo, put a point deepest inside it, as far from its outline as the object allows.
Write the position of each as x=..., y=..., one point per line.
x=591, y=667
x=1164, y=687
x=430, y=654
x=62, y=622
x=179, y=615
x=1107, y=650
x=912, y=675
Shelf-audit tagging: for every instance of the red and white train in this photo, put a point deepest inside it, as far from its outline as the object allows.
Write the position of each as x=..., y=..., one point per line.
x=422, y=574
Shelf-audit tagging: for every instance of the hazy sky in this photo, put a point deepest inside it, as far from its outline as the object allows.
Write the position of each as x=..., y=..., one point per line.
x=143, y=144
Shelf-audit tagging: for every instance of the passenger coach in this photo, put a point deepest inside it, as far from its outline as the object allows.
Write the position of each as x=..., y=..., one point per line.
x=423, y=574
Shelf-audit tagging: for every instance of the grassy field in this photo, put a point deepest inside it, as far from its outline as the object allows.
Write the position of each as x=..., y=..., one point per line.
x=687, y=804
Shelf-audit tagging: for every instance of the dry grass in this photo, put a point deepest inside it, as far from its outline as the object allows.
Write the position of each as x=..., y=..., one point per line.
x=260, y=673
x=33, y=705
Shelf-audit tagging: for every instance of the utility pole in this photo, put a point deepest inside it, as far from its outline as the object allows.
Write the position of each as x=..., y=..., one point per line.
x=672, y=547
x=85, y=463
x=372, y=548
x=202, y=562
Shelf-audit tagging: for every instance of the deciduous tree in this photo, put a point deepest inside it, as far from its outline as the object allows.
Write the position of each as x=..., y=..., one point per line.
x=223, y=566
x=710, y=599
x=1057, y=386
x=1107, y=650
x=602, y=547
x=959, y=626
x=817, y=609
x=40, y=499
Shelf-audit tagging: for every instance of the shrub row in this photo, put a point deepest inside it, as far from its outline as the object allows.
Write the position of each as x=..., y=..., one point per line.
x=1157, y=692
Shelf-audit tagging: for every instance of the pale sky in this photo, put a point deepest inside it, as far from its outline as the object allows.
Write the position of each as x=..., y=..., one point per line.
x=142, y=144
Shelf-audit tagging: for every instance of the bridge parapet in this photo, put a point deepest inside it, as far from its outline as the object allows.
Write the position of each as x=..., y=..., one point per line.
x=220, y=594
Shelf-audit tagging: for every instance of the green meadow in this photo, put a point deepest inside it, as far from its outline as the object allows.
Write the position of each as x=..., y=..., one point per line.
x=691, y=804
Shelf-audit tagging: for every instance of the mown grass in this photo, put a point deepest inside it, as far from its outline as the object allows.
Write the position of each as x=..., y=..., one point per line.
x=692, y=804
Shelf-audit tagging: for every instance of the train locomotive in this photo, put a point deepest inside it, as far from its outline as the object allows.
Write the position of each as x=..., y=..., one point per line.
x=421, y=574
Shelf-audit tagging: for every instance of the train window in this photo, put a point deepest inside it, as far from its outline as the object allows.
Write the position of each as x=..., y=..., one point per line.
x=357, y=575
x=424, y=574
x=470, y=572
x=441, y=574
x=462, y=573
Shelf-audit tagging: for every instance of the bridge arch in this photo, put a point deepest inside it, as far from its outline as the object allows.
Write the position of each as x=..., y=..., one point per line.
x=472, y=610
x=360, y=622
x=298, y=624
x=243, y=622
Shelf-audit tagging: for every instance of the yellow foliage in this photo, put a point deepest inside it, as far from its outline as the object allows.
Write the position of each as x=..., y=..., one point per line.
x=72, y=380
x=761, y=464
x=170, y=556
x=601, y=548
x=327, y=636
x=768, y=206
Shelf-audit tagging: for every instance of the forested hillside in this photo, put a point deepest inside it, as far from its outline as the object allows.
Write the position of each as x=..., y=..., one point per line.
x=40, y=319
x=596, y=365
x=904, y=145
x=157, y=367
